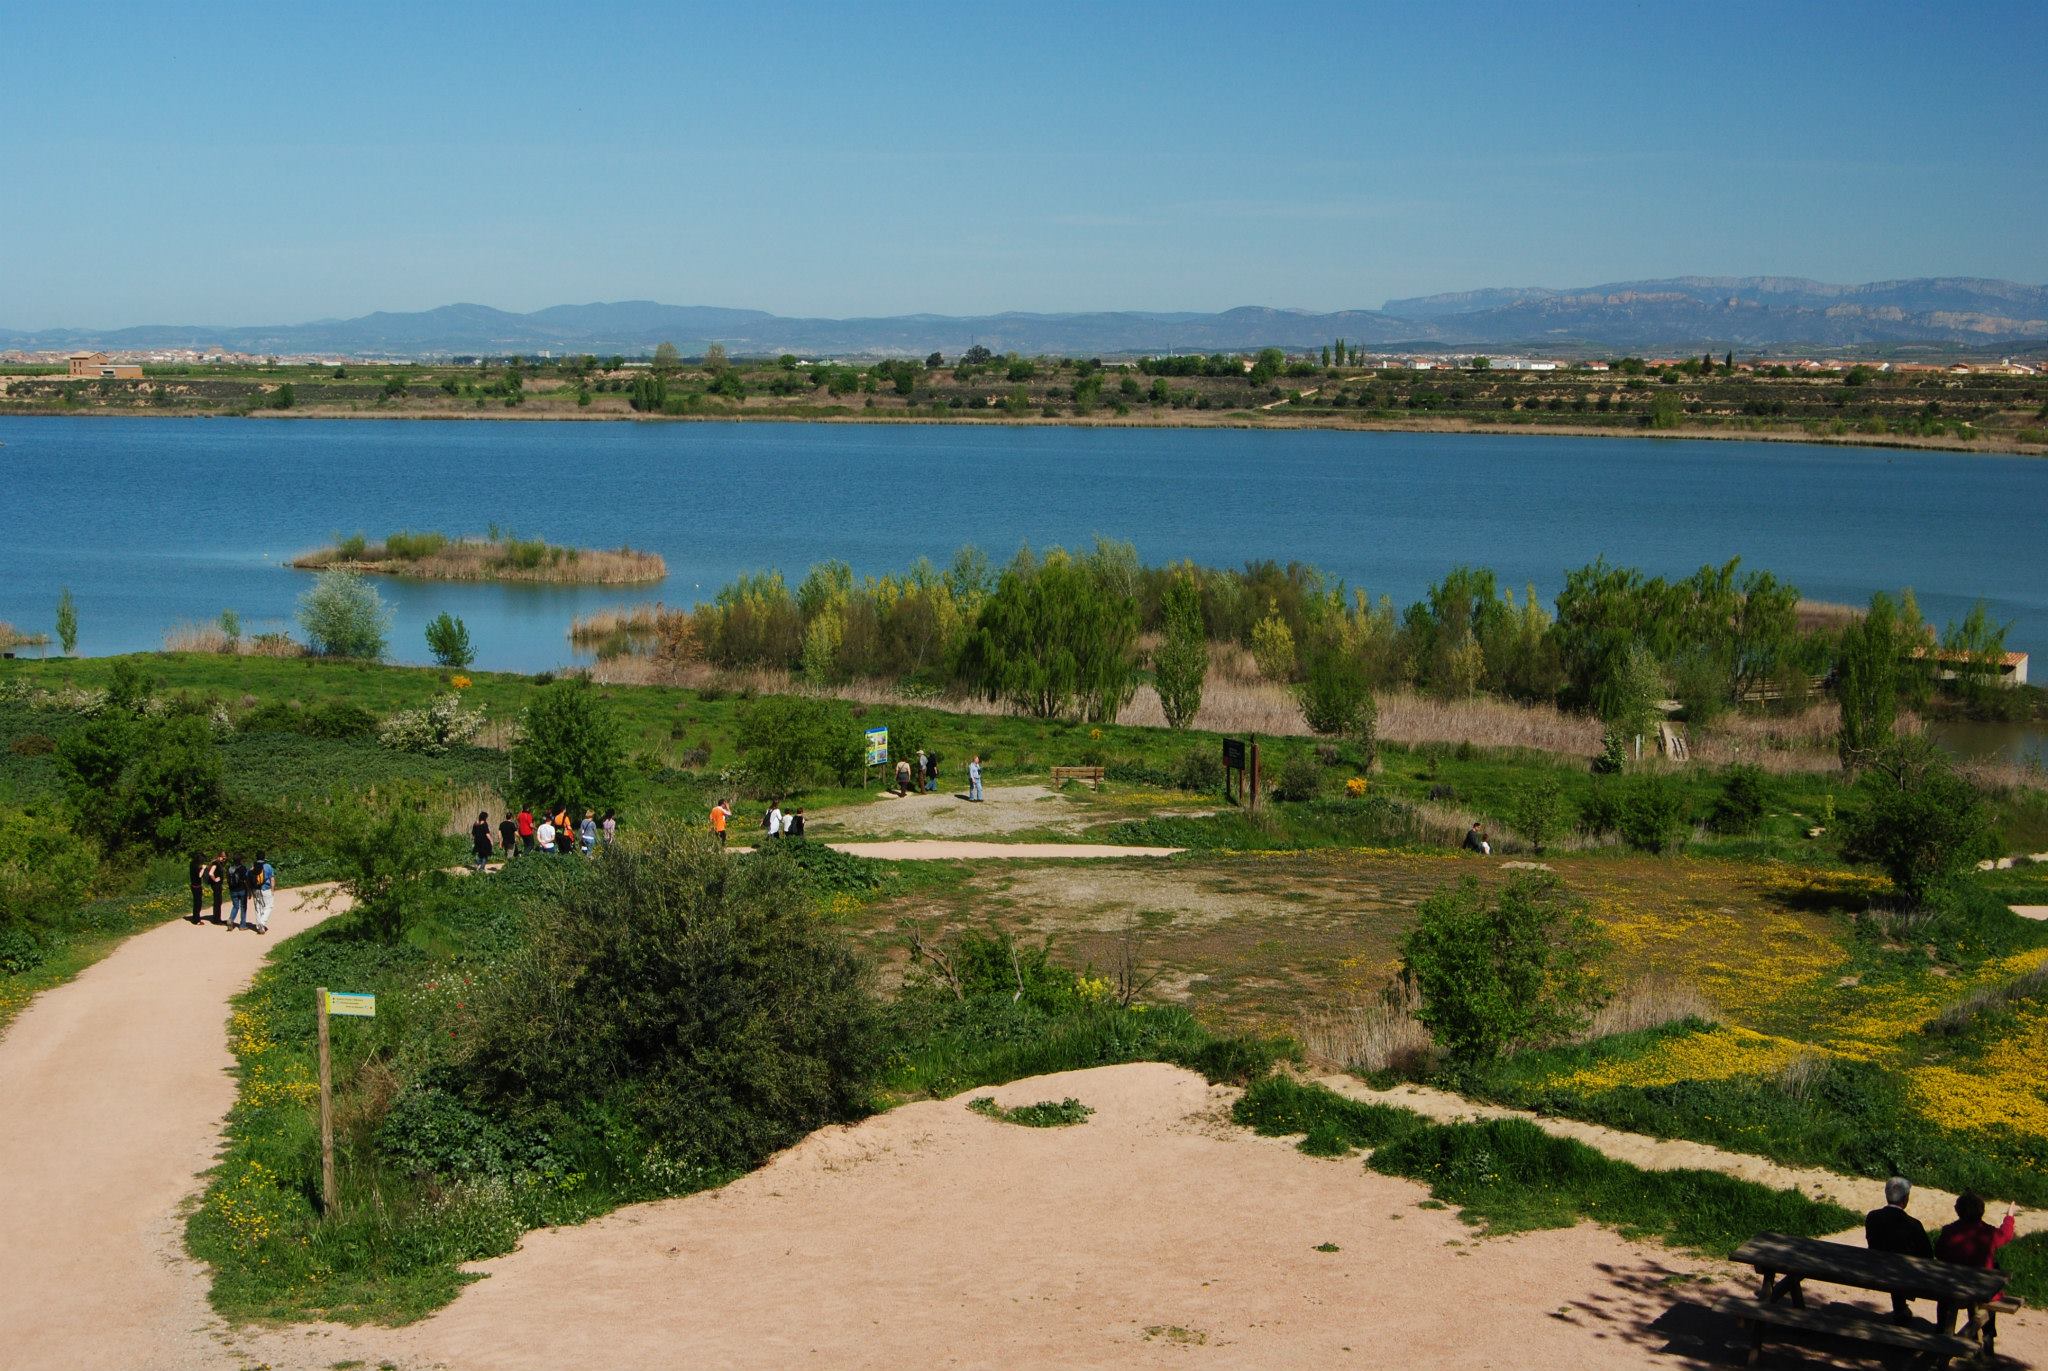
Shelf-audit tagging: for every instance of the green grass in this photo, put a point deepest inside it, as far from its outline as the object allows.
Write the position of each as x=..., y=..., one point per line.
x=1510, y=1176
x=1044, y=1114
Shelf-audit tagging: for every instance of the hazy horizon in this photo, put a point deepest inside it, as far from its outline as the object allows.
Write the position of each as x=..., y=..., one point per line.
x=246, y=164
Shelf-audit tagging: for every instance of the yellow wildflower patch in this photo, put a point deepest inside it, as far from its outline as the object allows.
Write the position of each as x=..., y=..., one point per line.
x=1716, y=1055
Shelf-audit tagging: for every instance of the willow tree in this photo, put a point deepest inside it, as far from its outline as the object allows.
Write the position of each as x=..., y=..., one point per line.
x=1181, y=664
x=1055, y=640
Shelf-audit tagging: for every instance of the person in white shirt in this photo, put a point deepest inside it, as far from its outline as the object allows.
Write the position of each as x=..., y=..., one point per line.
x=773, y=823
x=546, y=834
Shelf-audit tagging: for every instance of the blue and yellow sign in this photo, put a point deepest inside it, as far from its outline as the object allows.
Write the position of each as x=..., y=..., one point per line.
x=351, y=1006
x=878, y=747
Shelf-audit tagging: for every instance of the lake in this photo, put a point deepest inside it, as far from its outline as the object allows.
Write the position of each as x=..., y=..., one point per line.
x=155, y=521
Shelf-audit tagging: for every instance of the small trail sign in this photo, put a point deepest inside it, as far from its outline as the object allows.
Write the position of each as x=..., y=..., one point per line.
x=342, y=1002
x=328, y=1004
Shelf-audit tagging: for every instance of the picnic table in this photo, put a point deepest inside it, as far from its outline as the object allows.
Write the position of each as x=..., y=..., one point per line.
x=1784, y=1264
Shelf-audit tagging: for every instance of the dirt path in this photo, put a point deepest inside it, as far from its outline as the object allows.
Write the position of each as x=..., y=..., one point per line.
x=1155, y=1234
x=949, y=849
x=1932, y=1207
x=112, y=1092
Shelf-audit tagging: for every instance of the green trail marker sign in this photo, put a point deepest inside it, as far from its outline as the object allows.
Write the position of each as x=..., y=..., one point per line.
x=352, y=1006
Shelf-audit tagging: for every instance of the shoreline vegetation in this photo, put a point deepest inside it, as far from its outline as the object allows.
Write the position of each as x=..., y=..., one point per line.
x=1910, y=405
x=494, y=557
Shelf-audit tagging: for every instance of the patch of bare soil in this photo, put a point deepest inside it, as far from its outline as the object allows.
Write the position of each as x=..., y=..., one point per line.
x=1149, y=1236
x=1003, y=809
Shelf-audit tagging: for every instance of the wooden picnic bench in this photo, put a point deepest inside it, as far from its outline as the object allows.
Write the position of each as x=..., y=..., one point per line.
x=1090, y=774
x=1784, y=1264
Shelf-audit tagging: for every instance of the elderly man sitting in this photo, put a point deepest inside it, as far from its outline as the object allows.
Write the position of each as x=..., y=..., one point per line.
x=1892, y=1229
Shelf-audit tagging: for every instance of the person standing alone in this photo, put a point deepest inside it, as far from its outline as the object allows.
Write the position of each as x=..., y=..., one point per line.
x=974, y=778
x=263, y=883
x=720, y=812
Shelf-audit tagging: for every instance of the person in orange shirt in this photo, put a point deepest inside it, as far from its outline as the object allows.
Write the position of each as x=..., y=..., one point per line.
x=720, y=812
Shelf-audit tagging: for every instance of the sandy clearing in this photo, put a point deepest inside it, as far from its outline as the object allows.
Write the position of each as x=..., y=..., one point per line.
x=1933, y=1207
x=114, y=1089
x=1155, y=1234
x=1003, y=809
x=940, y=849
x=2031, y=911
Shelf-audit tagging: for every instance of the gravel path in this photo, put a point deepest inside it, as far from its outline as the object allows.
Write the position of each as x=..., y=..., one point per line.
x=112, y=1092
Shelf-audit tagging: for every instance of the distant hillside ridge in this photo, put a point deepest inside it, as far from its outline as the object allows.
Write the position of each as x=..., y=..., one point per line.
x=1680, y=314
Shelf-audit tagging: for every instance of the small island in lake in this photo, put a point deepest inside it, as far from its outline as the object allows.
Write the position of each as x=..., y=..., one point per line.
x=436, y=556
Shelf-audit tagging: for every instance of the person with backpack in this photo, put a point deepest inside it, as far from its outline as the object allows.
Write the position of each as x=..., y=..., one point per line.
x=263, y=880
x=480, y=840
x=931, y=772
x=238, y=894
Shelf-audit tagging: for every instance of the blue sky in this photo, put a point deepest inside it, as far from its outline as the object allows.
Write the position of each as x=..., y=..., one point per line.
x=232, y=164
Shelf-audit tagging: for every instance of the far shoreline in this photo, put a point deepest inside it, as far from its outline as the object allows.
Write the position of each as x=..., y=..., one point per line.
x=1988, y=447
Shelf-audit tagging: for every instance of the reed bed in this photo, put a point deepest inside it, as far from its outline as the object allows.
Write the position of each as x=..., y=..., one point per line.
x=466, y=803
x=210, y=637
x=1378, y=1035
x=10, y=636
x=438, y=557
x=1650, y=1002
x=633, y=622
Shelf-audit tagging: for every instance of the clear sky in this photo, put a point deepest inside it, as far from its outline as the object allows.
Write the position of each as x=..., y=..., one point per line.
x=278, y=163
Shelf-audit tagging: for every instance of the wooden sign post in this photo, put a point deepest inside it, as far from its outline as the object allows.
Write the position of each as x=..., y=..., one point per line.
x=1243, y=758
x=324, y=1005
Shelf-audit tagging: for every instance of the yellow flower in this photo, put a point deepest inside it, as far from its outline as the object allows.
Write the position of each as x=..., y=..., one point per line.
x=460, y=682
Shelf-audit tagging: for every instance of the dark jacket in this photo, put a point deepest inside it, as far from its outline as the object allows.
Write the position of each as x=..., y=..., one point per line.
x=1892, y=1229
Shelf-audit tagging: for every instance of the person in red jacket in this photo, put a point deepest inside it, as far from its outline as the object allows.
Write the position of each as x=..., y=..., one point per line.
x=1970, y=1241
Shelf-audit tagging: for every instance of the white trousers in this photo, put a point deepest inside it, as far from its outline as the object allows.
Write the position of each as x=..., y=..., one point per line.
x=262, y=902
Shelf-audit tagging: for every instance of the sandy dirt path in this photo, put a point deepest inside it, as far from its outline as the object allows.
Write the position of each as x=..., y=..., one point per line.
x=1155, y=1234
x=951, y=849
x=112, y=1092
x=1932, y=1207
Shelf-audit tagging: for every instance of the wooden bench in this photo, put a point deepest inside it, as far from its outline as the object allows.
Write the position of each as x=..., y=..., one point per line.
x=1841, y=1321
x=1784, y=1264
x=1090, y=774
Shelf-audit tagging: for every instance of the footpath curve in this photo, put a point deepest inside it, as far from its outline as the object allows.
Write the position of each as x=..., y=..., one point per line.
x=112, y=1091
x=1933, y=1207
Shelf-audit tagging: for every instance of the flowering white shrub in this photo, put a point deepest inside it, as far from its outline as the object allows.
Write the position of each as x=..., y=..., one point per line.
x=433, y=730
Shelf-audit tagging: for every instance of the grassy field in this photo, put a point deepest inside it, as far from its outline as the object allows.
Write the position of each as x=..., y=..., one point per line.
x=1827, y=1032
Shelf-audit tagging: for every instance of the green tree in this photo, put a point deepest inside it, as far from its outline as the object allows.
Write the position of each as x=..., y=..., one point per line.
x=715, y=360
x=1866, y=682
x=343, y=616
x=231, y=628
x=448, y=640
x=1054, y=640
x=67, y=622
x=1915, y=818
x=1266, y=365
x=571, y=749
x=1181, y=665
x=1522, y=970
x=1974, y=651
x=793, y=742
x=667, y=357
x=1666, y=410
x=1335, y=693
x=284, y=397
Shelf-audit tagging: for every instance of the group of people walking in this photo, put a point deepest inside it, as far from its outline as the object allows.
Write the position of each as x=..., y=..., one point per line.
x=552, y=833
x=775, y=823
x=248, y=886
x=923, y=775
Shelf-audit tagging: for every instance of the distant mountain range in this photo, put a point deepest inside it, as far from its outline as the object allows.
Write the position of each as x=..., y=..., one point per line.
x=1686, y=313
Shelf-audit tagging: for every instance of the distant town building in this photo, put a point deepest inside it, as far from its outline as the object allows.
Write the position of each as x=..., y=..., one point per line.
x=95, y=366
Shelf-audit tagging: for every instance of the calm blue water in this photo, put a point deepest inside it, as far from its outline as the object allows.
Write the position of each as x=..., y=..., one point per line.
x=151, y=521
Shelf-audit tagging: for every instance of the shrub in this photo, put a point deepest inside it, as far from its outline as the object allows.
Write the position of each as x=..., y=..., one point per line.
x=1519, y=971
x=141, y=781
x=1916, y=818
x=1335, y=694
x=22, y=948
x=1739, y=808
x=1537, y=811
x=342, y=719
x=344, y=617
x=1300, y=777
x=391, y=857
x=692, y=997
x=448, y=640
x=1600, y=812
x=1613, y=754
x=570, y=750
x=1653, y=814
x=433, y=730
x=1200, y=769
x=1273, y=648
x=44, y=867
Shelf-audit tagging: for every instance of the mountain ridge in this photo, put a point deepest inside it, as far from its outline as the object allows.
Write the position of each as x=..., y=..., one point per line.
x=1680, y=313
